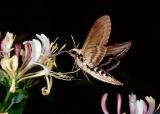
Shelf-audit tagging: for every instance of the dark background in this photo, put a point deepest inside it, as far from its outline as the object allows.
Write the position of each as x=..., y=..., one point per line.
x=132, y=20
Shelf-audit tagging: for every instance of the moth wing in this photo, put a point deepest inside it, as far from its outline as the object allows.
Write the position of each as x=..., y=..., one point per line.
x=95, y=55
x=117, y=50
x=95, y=41
x=99, y=33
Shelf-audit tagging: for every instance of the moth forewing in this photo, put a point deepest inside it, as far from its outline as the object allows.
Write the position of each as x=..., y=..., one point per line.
x=99, y=33
x=95, y=55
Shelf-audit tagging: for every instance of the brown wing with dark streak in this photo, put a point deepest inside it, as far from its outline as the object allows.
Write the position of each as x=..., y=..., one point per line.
x=117, y=50
x=99, y=33
x=94, y=48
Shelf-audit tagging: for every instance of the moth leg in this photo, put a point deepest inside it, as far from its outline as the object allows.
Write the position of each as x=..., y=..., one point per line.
x=85, y=74
x=74, y=66
x=106, y=63
x=114, y=65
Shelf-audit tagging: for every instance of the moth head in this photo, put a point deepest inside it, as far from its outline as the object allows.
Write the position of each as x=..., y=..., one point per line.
x=74, y=52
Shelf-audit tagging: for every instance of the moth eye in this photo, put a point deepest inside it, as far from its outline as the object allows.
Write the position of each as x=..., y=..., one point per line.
x=73, y=52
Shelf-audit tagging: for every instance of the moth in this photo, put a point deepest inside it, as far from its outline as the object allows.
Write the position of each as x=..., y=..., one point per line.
x=95, y=49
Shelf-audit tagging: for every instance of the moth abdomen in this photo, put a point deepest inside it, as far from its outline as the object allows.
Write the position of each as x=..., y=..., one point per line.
x=99, y=71
x=96, y=69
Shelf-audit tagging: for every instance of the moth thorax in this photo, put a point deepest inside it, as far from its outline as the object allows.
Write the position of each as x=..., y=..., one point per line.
x=75, y=52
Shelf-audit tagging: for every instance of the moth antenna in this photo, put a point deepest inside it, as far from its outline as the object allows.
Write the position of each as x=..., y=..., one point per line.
x=74, y=43
x=78, y=45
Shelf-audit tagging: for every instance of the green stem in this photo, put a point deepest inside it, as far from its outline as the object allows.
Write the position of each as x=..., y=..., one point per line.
x=5, y=101
x=7, y=97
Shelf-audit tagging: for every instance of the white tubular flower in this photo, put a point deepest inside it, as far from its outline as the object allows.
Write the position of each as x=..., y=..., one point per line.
x=7, y=43
x=151, y=103
x=10, y=65
x=103, y=103
x=139, y=108
x=35, y=53
x=119, y=103
x=132, y=103
x=135, y=106
x=14, y=70
x=45, y=44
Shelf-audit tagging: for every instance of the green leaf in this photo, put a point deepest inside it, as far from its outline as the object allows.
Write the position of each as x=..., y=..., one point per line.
x=3, y=80
x=18, y=108
x=19, y=97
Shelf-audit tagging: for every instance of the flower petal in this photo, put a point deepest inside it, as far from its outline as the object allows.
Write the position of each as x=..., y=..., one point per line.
x=17, y=49
x=27, y=52
x=139, y=108
x=151, y=103
x=119, y=103
x=4, y=63
x=36, y=52
x=103, y=103
x=132, y=103
x=144, y=108
x=7, y=42
x=14, y=62
x=46, y=90
x=157, y=111
x=45, y=43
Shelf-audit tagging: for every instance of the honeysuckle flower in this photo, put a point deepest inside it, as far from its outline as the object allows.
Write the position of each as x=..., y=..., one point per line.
x=151, y=103
x=140, y=106
x=19, y=63
x=6, y=44
x=47, y=59
x=41, y=55
x=46, y=56
x=132, y=103
x=104, y=101
x=136, y=106
x=10, y=65
x=13, y=70
x=139, y=109
x=17, y=66
x=119, y=103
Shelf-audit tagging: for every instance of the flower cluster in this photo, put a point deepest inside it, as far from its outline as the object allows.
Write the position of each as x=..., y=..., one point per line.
x=20, y=64
x=17, y=61
x=146, y=106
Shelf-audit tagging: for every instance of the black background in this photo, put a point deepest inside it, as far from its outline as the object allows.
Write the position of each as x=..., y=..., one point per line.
x=132, y=20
